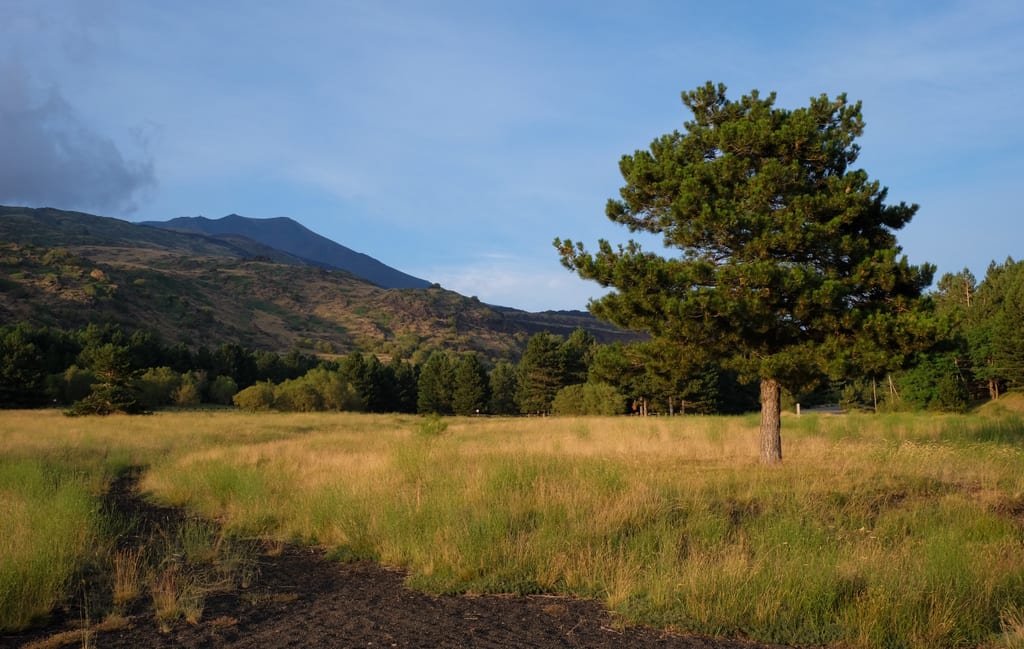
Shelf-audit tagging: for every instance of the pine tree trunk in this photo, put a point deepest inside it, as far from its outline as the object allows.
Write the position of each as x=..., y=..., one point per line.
x=771, y=422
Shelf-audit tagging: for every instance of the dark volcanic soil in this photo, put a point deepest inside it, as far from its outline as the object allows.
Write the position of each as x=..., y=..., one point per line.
x=302, y=599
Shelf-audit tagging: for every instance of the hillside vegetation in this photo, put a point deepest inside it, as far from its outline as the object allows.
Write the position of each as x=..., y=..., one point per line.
x=70, y=269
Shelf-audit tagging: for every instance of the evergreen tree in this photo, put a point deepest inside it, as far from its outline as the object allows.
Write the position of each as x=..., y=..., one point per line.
x=436, y=384
x=993, y=322
x=955, y=300
x=355, y=372
x=503, y=387
x=577, y=354
x=405, y=386
x=22, y=370
x=541, y=373
x=236, y=362
x=114, y=390
x=785, y=266
x=470, y=393
x=1004, y=323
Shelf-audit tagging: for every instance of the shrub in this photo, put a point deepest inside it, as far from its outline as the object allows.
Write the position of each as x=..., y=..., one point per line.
x=222, y=389
x=298, y=395
x=588, y=399
x=259, y=396
x=157, y=387
x=190, y=393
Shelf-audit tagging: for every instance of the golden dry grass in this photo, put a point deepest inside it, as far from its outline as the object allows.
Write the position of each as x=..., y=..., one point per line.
x=876, y=531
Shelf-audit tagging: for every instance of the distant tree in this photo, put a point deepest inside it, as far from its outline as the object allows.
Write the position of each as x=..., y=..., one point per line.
x=354, y=371
x=934, y=383
x=270, y=367
x=785, y=266
x=297, y=395
x=259, y=396
x=955, y=300
x=470, y=390
x=406, y=380
x=179, y=358
x=234, y=361
x=995, y=333
x=114, y=390
x=436, y=384
x=190, y=392
x=336, y=393
x=377, y=386
x=22, y=370
x=503, y=385
x=656, y=376
x=577, y=354
x=541, y=373
x=588, y=399
x=145, y=349
x=992, y=327
x=221, y=390
x=157, y=386
x=75, y=384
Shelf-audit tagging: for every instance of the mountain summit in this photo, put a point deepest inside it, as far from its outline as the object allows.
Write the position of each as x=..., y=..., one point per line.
x=293, y=238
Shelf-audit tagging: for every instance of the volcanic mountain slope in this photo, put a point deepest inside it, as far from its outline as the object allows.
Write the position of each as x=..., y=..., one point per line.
x=290, y=237
x=70, y=269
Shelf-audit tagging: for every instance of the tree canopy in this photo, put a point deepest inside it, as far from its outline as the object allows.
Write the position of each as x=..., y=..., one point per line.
x=786, y=266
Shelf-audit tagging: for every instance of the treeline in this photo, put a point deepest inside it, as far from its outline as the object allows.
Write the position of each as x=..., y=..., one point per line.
x=102, y=369
x=47, y=365
x=978, y=353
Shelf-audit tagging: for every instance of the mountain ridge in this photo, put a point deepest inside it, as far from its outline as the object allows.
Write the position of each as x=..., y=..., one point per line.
x=288, y=235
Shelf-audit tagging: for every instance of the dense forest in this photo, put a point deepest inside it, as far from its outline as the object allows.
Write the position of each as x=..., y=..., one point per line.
x=976, y=353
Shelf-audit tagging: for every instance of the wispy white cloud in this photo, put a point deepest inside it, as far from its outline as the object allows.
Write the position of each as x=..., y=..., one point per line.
x=505, y=279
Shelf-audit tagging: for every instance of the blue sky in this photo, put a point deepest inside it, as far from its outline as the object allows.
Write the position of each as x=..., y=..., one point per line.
x=455, y=140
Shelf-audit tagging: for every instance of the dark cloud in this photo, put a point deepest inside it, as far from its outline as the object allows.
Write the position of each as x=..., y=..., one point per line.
x=50, y=156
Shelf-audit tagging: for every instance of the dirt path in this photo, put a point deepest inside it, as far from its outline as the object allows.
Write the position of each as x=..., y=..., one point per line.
x=302, y=599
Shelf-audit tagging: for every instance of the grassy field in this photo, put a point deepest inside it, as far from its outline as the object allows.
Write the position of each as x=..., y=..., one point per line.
x=876, y=531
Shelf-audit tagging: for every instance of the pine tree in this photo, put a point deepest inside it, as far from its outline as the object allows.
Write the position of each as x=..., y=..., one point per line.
x=470, y=393
x=114, y=390
x=436, y=384
x=22, y=369
x=503, y=387
x=541, y=373
x=784, y=265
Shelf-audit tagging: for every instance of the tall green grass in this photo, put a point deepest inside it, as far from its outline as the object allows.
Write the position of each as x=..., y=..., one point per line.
x=48, y=524
x=53, y=474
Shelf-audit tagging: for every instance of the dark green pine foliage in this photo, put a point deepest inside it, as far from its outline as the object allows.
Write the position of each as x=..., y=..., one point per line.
x=114, y=390
x=783, y=264
x=577, y=354
x=503, y=384
x=540, y=374
x=470, y=392
x=405, y=380
x=436, y=384
x=994, y=327
x=22, y=369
